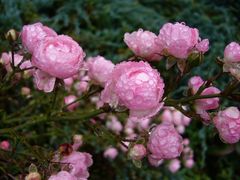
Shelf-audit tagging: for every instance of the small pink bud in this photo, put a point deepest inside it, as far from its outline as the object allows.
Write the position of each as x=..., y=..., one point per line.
x=174, y=165
x=154, y=162
x=5, y=145
x=189, y=163
x=137, y=152
x=33, y=176
x=110, y=153
x=70, y=99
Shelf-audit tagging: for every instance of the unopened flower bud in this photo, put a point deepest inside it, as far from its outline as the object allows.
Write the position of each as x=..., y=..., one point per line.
x=77, y=141
x=137, y=152
x=33, y=176
x=11, y=35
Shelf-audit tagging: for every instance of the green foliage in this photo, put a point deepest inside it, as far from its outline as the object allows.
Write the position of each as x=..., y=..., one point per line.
x=99, y=27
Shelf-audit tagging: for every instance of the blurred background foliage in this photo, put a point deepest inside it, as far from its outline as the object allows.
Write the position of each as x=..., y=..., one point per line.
x=99, y=27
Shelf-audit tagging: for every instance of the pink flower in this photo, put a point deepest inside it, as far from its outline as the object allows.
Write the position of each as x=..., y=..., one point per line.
x=58, y=56
x=143, y=44
x=137, y=152
x=227, y=123
x=68, y=82
x=202, y=105
x=154, y=162
x=78, y=163
x=27, y=65
x=178, y=39
x=70, y=99
x=174, y=165
x=195, y=83
x=189, y=163
x=81, y=87
x=110, y=153
x=43, y=81
x=165, y=142
x=232, y=59
x=99, y=69
x=232, y=53
x=7, y=60
x=33, y=176
x=5, y=145
x=137, y=86
x=34, y=33
x=25, y=91
x=114, y=125
x=63, y=175
x=77, y=142
x=203, y=46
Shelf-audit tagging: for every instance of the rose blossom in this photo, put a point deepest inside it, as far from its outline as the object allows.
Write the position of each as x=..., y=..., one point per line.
x=78, y=163
x=189, y=163
x=5, y=145
x=202, y=105
x=203, y=46
x=63, y=175
x=174, y=165
x=154, y=162
x=232, y=59
x=137, y=86
x=165, y=142
x=110, y=153
x=59, y=56
x=99, y=69
x=43, y=81
x=114, y=125
x=32, y=34
x=143, y=44
x=70, y=99
x=137, y=152
x=178, y=39
x=7, y=60
x=227, y=123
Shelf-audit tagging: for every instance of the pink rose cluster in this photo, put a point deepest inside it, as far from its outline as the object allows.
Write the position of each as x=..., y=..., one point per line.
x=171, y=115
x=54, y=56
x=178, y=40
x=232, y=59
x=164, y=142
x=227, y=123
x=137, y=86
x=76, y=163
x=203, y=105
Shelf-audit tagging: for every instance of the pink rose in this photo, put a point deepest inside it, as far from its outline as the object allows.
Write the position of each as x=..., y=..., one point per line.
x=110, y=153
x=58, y=56
x=174, y=165
x=5, y=145
x=189, y=163
x=178, y=39
x=195, y=83
x=114, y=125
x=202, y=105
x=227, y=123
x=99, y=69
x=34, y=33
x=7, y=60
x=63, y=175
x=137, y=152
x=232, y=59
x=70, y=99
x=165, y=142
x=137, y=86
x=154, y=162
x=78, y=163
x=44, y=81
x=203, y=46
x=143, y=44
